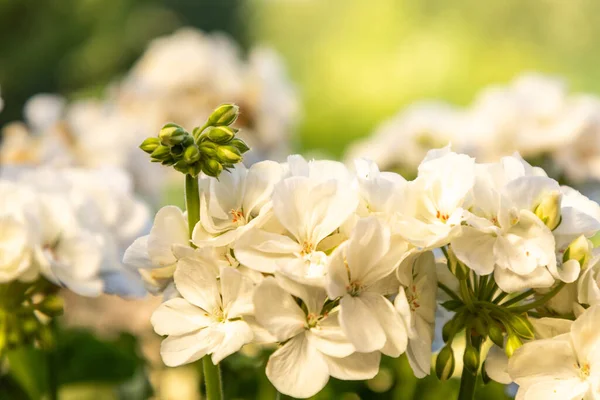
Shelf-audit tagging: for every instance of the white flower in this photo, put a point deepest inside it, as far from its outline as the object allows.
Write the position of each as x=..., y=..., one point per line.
x=570, y=367
x=235, y=203
x=503, y=234
x=378, y=191
x=209, y=318
x=355, y=275
x=315, y=347
x=416, y=301
x=588, y=285
x=432, y=206
x=155, y=255
x=308, y=211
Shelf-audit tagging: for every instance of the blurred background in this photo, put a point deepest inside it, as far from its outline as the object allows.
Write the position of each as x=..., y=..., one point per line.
x=341, y=68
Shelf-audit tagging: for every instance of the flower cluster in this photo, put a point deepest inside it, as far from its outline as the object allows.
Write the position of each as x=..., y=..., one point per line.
x=534, y=115
x=179, y=78
x=63, y=228
x=339, y=266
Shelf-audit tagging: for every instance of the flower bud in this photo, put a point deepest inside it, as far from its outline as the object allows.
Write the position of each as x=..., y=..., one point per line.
x=161, y=153
x=452, y=305
x=522, y=327
x=225, y=114
x=240, y=145
x=471, y=358
x=51, y=305
x=177, y=150
x=172, y=134
x=228, y=154
x=212, y=167
x=208, y=149
x=549, y=210
x=221, y=134
x=512, y=343
x=444, y=363
x=480, y=326
x=458, y=269
x=580, y=250
x=496, y=335
x=191, y=154
x=150, y=144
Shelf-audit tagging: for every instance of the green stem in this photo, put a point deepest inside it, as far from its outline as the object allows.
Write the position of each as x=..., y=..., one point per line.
x=540, y=302
x=212, y=379
x=448, y=291
x=466, y=295
x=518, y=298
x=468, y=380
x=499, y=298
x=52, y=375
x=212, y=373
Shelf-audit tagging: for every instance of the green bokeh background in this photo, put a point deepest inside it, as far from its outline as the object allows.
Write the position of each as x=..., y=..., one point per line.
x=354, y=63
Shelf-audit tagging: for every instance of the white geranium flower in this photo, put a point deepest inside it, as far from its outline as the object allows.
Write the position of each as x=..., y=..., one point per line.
x=235, y=203
x=378, y=191
x=308, y=211
x=315, y=346
x=208, y=318
x=356, y=270
x=570, y=368
x=432, y=206
x=416, y=301
x=155, y=255
x=503, y=234
x=588, y=285
x=18, y=223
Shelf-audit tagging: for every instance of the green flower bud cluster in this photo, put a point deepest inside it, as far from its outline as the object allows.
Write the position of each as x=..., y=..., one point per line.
x=211, y=148
x=21, y=306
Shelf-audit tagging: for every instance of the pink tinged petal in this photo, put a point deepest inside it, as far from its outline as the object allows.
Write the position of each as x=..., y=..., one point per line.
x=368, y=244
x=355, y=367
x=297, y=369
x=184, y=349
x=197, y=283
x=559, y=360
x=277, y=311
x=236, y=293
x=391, y=322
x=236, y=334
x=360, y=324
x=337, y=273
x=476, y=249
x=329, y=338
x=170, y=227
x=178, y=317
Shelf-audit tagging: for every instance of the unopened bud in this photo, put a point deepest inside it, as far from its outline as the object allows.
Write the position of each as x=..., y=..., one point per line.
x=161, y=153
x=496, y=335
x=580, y=250
x=444, y=363
x=51, y=305
x=480, y=326
x=549, y=210
x=458, y=269
x=512, y=344
x=221, y=134
x=225, y=114
x=471, y=359
x=212, y=167
x=228, y=154
x=191, y=154
x=177, y=151
x=240, y=145
x=522, y=327
x=172, y=134
x=150, y=144
x=208, y=149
